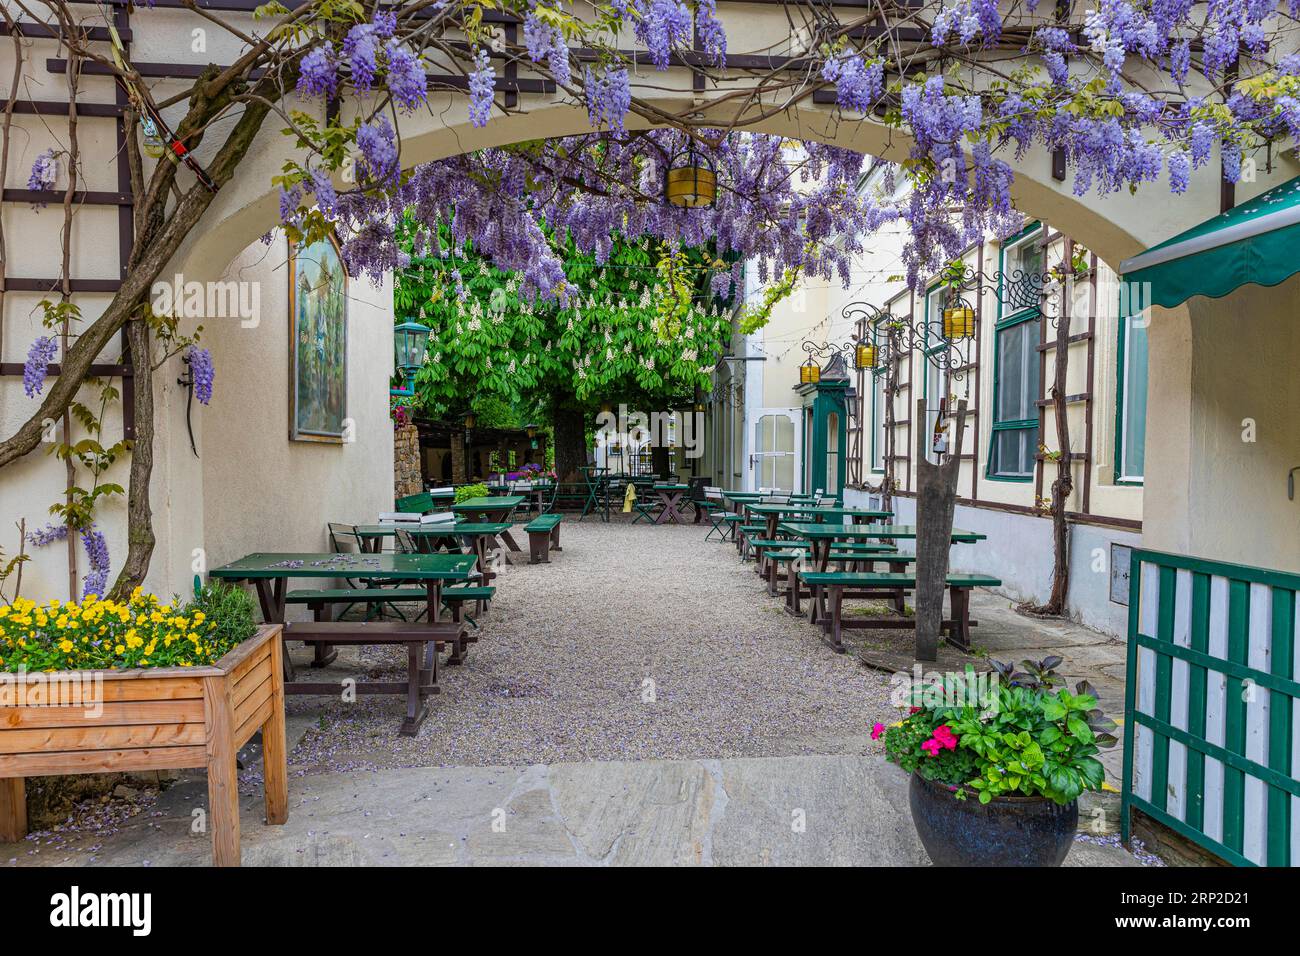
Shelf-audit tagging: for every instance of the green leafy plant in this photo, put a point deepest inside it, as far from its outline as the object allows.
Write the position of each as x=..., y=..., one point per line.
x=1032, y=738
x=465, y=492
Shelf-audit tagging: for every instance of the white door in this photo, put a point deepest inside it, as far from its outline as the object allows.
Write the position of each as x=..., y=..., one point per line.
x=772, y=463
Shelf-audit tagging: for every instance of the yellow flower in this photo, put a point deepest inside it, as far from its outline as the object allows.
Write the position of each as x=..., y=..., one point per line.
x=199, y=617
x=119, y=649
x=66, y=645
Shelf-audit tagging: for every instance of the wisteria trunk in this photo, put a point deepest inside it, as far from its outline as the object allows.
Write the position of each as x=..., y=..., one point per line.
x=139, y=532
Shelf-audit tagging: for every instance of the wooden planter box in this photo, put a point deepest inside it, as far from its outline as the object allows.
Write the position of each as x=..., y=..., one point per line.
x=163, y=718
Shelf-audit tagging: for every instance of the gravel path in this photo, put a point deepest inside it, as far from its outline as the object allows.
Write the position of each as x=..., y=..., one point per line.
x=571, y=650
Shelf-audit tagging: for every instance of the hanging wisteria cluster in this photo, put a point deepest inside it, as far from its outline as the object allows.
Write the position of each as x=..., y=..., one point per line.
x=1073, y=91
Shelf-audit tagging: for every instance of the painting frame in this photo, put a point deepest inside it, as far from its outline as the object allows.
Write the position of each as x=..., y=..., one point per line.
x=330, y=404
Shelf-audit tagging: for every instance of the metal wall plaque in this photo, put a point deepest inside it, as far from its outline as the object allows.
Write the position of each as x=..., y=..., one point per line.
x=1121, y=560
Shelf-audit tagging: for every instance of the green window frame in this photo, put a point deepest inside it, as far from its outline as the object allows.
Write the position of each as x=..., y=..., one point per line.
x=1132, y=358
x=1016, y=337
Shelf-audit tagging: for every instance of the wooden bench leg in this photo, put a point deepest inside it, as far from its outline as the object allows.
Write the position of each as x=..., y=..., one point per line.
x=837, y=604
x=13, y=809
x=792, y=588
x=537, y=547
x=959, y=604
x=223, y=773
x=275, y=754
x=555, y=539
x=416, y=709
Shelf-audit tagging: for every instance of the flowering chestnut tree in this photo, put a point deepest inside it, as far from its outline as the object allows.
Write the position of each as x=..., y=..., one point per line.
x=641, y=327
x=1130, y=92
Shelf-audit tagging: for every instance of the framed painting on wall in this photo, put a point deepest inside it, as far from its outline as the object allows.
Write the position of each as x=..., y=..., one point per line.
x=318, y=343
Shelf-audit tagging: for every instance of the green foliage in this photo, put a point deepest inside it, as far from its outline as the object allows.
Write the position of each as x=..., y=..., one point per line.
x=637, y=325
x=754, y=317
x=1032, y=738
x=465, y=492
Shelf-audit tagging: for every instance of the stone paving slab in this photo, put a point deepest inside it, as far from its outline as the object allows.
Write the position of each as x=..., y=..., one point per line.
x=774, y=811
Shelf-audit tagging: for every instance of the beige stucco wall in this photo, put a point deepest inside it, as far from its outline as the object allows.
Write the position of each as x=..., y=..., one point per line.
x=1224, y=372
x=261, y=491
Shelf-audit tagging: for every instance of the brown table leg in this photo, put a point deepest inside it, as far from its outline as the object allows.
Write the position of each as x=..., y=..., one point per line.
x=792, y=588
x=270, y=595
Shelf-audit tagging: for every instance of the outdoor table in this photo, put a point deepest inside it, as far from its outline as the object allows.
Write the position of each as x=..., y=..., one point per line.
x=270, y=574
x=742, y=498
x=670, y=496
x=772, y=514
x=494, y=510
x=372, y=536
x=476, y=533
x=821, y=538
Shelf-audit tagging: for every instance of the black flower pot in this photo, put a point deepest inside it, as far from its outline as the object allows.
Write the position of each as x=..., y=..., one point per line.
x=1009, y=831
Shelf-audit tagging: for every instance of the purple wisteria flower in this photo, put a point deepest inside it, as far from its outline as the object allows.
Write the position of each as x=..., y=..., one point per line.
x=406, y=78
x=857, y=84
x=713, y=39
x=47, y=535
x=545, y=42
x=378, y=145
x=322, y=187
x=39, y=357
x=202, y=372
x=317, y=74
x=44, y=175
x=361, y=50
x=663, y=25
x=96, y=580
x=609, y=96
x=482, y=84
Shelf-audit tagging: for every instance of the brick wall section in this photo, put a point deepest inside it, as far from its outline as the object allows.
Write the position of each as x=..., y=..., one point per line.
x=407, y=479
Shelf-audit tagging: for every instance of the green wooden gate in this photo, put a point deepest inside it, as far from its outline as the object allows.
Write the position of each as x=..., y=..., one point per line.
x=1212, y=730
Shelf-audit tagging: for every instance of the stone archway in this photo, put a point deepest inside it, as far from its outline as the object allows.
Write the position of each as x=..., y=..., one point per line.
x=1114, y=226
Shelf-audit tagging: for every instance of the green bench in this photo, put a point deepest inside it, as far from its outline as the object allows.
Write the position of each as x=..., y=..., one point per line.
x=454, y=600
x=789, y=556
x=829, y=588
x=543, y=537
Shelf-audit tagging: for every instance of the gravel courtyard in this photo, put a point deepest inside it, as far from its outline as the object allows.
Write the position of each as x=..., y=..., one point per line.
x=636, y=642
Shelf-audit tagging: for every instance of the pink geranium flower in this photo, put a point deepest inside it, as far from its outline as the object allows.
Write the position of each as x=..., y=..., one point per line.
x=932, y=747
x=877, y=731
x=945, y=736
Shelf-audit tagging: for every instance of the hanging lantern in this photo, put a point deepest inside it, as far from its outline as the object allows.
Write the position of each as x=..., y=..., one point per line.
x=810, y=372
x=959, y=322
x=409, y=342
x=470, y=419
x=532, y=430
x=690, y=182
x=864, y=357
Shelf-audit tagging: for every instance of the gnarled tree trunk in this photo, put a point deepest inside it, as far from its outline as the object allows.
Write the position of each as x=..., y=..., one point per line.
x=936, y=500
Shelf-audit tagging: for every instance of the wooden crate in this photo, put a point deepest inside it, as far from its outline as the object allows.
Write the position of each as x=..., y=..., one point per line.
x=162, y=718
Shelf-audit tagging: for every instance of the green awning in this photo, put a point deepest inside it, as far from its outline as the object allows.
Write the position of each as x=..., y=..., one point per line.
x=1257, y=242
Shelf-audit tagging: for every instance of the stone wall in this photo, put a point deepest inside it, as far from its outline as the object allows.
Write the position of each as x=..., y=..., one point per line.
x=407, y=479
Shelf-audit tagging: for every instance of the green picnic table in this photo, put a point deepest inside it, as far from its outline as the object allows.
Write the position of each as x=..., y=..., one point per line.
x=670, y=497
x=270, y=572
x=472, y=535
x=493, y=510
x=772, y=513
x=821, y=537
